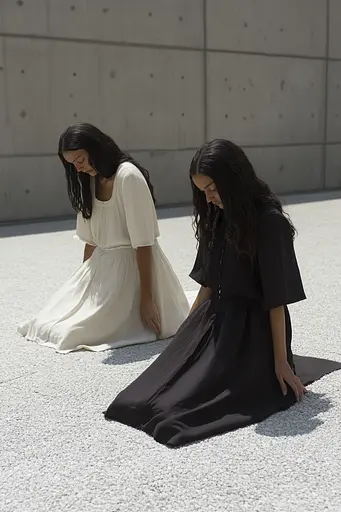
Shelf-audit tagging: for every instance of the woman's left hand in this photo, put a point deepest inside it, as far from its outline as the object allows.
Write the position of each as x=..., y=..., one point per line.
x=286, y=376
x=150, y=316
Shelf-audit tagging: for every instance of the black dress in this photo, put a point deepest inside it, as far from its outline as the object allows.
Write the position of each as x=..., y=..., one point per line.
x=218, y=372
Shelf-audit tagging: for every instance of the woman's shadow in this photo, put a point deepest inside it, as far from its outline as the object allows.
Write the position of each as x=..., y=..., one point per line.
x=303, y=417
x=135, y=353
x=299, y=420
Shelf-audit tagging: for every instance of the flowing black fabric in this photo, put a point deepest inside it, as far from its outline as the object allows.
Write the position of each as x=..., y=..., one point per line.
x=218, y=373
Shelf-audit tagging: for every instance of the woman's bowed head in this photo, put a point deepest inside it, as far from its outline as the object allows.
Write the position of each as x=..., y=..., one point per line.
x=223, y=177
x=86, y=152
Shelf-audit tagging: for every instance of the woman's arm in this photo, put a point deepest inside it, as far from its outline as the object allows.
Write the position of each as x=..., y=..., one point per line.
x=284, y=372
x=203, y=295
x=144, y=258
x=149, y=312
x=143, y=231
x=88, y=250
x=277, y=320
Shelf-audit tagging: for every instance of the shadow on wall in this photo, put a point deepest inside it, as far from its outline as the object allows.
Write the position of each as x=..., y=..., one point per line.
x=68, y=224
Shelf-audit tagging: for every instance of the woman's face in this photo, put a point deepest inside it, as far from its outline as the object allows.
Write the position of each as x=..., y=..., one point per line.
x=207, y=185
x=80, y=159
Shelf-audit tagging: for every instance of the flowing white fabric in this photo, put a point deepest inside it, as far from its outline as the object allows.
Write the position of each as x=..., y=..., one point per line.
x=98, y=307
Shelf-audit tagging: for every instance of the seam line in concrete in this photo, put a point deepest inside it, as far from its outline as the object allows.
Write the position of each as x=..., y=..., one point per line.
x=155, y=151
x=205, y=71
x=326, y=101
x=124, y=44
x=161, y=46
x=267, y=54
x=283, y=145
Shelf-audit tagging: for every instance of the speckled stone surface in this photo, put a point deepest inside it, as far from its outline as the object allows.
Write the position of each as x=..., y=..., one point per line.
x=59, y=454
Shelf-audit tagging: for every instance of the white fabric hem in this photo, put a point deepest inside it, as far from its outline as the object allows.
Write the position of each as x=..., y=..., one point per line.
x=95, y=348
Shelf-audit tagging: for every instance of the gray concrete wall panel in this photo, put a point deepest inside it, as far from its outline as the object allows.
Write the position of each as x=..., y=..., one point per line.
x=289, y=169
x=25, y=17
x=265, y=100
x=160, y=77
x=158, y=22
x=31, y=188
x=145, y=98
x=169, y=171
x=152, y=98
x=5, y=136
x=28, y=100
x=333, y=168
x=75, y=87
x=270, y=26
x=335, y=29
x=334, y=102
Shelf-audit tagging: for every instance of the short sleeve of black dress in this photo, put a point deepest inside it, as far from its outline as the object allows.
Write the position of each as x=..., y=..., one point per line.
x=279, y=272
x=198, y=272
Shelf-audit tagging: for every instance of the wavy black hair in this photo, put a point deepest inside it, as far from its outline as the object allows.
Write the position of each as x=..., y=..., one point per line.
x=243, y=194
x=104, y=156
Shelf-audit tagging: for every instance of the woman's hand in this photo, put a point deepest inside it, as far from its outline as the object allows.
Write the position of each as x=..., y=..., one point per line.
x=286, y=376
x=150, y=316
x=203, y=295
x=88, y=251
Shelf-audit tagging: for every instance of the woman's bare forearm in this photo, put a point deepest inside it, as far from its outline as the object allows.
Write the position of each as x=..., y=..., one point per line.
x=203, y=295
x=88, y=250
x=144, y=256
x=277, y=321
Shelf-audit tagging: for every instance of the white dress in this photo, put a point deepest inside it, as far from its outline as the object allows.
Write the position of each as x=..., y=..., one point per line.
x=98, y=308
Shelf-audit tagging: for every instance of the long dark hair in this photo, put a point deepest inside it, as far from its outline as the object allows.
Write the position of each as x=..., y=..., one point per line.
x=104, y=156
x=243, y=194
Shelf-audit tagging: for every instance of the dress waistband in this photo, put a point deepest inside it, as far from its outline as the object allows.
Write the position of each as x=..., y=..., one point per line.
x=120, y=247
x=117, y=248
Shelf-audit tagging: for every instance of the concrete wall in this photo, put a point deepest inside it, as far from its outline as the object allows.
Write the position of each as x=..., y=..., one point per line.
x=161, y=76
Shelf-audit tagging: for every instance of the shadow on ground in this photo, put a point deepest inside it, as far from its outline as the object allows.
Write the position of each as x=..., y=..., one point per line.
x=135, y=353
x=301, y=419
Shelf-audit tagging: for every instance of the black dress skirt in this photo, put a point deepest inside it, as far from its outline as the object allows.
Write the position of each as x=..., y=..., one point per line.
x=218, y=372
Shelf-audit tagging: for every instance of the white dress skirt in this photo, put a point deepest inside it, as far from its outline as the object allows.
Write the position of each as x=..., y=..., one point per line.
x=98, y=308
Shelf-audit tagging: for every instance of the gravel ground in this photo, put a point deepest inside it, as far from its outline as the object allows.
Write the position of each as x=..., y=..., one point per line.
x=59, y=454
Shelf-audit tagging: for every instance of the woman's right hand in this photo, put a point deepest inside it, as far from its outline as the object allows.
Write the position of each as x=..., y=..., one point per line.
x=286, y=376
x=150, y=316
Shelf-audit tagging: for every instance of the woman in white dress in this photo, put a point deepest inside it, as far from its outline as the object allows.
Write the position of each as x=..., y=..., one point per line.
x=125, y=292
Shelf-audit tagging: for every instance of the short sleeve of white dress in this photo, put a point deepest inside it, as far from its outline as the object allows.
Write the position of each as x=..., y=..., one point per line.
x=139, y=209
x=83, y=230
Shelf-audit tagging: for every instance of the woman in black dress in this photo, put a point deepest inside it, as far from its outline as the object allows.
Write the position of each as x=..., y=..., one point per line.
x=230, y=364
